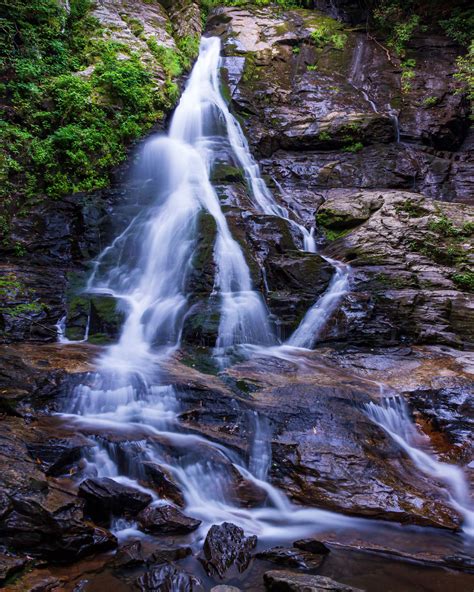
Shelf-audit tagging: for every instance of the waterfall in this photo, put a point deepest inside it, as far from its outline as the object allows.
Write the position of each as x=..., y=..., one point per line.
x=316, y=318
x=146, y=269
x=392, y=415
x=151, y=279
x=127, y=406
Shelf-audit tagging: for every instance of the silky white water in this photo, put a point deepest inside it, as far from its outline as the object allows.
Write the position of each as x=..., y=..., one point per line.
x=306, y=335
x=392, y=415
x=146, y=268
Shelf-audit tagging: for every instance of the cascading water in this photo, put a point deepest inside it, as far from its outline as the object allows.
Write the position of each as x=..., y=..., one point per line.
x=392, y=415
x=146, y=269
x=356, y=79
x=315, y=319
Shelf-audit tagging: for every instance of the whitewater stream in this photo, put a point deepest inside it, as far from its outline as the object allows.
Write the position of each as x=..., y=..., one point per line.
x=146, y=269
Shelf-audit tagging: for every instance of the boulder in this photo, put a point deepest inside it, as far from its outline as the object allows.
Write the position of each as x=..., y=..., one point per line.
x=291, y=557
x=226, y=546
x=163, y=483
x=166, y=520
x=168, y=578
x=312, y=545
x=289, y=581
x=105, y=497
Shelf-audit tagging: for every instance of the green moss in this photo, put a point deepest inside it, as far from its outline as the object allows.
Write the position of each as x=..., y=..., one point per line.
x=331, y=234
x=200, y=358
x=445, y=227
x=328, y=32
x=16, y=300
x=396, y=283
x=412, y=208
x=224, y=174
x=430, y=102
x=464, y=280
x=353, y=147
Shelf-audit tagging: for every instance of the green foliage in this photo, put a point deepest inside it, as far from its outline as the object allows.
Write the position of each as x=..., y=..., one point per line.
x=412, y=208
x=446, y=247
x=13, y=290
x=465, y=71
x=400, y=20
x=312, y=67
x=444, y=226
x=430, y=102
x=167, y=57
x=460, y=25
x=353, y=147
x=408, y=73
x=328, y=32
x=66, y=129
x=464, y=280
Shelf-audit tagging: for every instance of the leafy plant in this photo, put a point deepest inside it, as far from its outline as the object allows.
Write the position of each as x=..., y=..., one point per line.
x=464, y=280
x=11, y=291
x=430, y=102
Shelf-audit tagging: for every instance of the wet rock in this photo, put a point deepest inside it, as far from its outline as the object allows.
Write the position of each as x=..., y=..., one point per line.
x=460, y=560
x=168, y=578
x=129, y=555
x=320, y=129
x=226, y=546
x=166, y=520
x=56, y=456
x=299, y=558
x=169, y=554
x=105, y=497
x=39, y=515
x=10, y=565
x=312, y=545
x=225, y=589
x=53, y=528
x=288, y=581
x=405, y=266
x=163, y=483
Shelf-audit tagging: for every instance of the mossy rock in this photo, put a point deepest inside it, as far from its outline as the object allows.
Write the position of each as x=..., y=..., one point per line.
x=102, y=313
x=201, y=278
x=106, y=319
x=223, y=174
x=201, y=325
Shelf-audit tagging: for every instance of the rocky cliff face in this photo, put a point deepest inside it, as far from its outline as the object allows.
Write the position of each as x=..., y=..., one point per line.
x=345, y=147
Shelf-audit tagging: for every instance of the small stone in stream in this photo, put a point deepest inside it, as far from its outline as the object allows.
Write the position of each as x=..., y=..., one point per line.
x=225, y=546
x=10, y=565
x=224, y=588
x=130, y=555
x=163, y=483
x=291, y=557
x=289, y=581
x=168, y=578
x=166, y=520
x=312, y=545
x=164, y=555
x=105, y=497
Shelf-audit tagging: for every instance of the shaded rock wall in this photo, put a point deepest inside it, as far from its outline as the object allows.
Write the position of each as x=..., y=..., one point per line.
x=329, y=116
